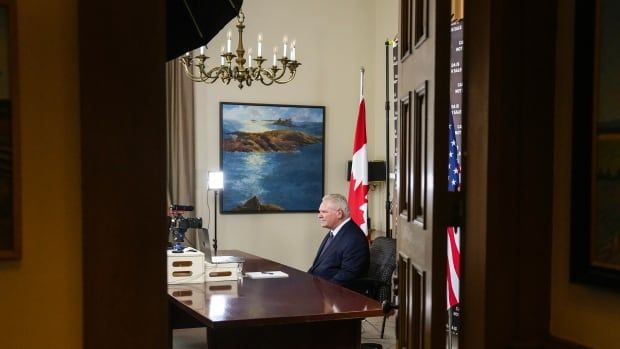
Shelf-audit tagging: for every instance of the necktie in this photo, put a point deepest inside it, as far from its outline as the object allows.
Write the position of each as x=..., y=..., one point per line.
x=329, y=241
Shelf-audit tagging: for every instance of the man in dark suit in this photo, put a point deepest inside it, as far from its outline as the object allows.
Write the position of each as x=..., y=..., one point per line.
x=343, y=255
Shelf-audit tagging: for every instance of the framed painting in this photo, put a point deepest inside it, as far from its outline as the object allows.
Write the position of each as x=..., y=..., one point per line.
x=272, y=157
x=595, y=212
x=10, y=226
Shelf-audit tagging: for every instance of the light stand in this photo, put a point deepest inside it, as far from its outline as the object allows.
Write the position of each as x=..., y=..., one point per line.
x=388, y=203
x=215, y=222
x=215, y=183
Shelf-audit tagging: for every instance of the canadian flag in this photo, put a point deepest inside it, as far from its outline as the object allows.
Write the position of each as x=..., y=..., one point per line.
x=358, y=185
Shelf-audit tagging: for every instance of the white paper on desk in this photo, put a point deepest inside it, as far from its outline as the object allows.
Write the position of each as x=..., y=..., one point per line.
x=266, y=274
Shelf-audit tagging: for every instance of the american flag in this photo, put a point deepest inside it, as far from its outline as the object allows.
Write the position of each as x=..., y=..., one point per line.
x=454, y=169
x=453, y=267
x=454, y=252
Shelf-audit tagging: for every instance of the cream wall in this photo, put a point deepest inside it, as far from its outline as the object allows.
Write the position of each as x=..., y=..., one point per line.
x=41, y=294
x=586, y=315
x=334, y=39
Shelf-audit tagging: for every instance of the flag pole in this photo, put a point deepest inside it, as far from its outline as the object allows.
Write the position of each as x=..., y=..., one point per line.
x=388, y=205
x=362, y=70
x=450, y=328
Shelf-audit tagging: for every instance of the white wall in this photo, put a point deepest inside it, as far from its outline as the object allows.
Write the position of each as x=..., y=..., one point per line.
x=334, y=39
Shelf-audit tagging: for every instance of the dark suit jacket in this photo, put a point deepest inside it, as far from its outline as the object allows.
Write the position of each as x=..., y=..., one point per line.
x=346, y=258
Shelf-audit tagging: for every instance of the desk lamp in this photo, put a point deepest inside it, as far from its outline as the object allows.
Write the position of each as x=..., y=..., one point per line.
x=215, y=183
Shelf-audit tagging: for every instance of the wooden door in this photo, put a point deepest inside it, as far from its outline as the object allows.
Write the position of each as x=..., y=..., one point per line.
x=421, y=183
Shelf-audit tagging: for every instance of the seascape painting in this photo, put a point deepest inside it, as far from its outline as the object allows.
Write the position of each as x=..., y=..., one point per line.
x=272, y=157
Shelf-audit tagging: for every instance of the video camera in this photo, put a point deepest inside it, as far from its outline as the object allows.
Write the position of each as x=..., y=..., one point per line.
x=180, y=224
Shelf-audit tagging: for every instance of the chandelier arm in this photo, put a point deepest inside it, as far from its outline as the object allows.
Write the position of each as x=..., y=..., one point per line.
x=196, y=78
x=189, y=74
x=279, y=73
x=266, y=83
x=211, y=76
x=262, y=74
x=291, y=77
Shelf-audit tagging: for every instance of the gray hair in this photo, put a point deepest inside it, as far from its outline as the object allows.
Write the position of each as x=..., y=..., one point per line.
x=338, y=201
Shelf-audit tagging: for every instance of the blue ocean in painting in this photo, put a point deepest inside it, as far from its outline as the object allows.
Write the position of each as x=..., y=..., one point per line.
x=292, y=180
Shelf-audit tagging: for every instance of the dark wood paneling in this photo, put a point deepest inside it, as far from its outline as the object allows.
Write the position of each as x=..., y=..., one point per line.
x=122, y=108
x=420, y=22
x=422, y=234
x=418, y=296
x=404, y=299
x=419, y=154
x=405, y=28
x=405, y=159
x=508, y=122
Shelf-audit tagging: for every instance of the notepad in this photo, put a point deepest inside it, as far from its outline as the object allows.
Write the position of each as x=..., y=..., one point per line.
x=266, y=274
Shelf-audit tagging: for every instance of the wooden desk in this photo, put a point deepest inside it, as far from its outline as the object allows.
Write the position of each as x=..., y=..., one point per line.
x=301, y=311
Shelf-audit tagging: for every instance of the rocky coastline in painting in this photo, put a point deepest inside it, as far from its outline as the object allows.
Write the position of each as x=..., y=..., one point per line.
x=284, y=122
x=272, y=157
x=253, y=204
x=268, y=141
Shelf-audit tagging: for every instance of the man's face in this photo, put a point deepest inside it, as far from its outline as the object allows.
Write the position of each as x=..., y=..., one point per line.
x=329, y=217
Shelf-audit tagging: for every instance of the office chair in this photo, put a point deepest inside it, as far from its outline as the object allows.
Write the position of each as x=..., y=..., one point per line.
x=377, y=283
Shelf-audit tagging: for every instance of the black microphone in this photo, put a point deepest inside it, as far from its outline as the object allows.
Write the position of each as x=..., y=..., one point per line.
x=176, y=207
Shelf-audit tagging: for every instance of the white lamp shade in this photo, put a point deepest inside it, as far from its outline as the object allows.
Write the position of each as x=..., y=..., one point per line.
x=215, y=181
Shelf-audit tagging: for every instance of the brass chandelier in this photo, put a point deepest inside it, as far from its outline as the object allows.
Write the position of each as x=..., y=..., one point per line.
x=197, y=70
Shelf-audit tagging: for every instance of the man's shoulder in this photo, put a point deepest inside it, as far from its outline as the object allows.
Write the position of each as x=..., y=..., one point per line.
x=352, y=229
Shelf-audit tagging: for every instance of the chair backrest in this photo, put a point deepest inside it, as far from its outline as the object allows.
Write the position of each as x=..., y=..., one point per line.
x=382, y=265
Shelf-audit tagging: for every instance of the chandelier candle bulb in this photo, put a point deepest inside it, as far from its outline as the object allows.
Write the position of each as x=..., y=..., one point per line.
x=293, y=50
x=222, y=56
x=229, y=42
x=275, y=53
x=202, y=50
x=285, y=42
x=250, y=57
x=260, y=44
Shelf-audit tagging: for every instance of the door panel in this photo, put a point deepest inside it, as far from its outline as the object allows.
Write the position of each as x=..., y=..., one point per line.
x=420, y=195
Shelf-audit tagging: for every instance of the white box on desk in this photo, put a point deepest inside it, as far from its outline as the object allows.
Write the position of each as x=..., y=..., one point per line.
x=186, y=267
x=222, y=271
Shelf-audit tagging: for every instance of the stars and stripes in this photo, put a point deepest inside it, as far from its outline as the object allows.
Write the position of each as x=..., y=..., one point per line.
x=454, y=184
x=453, y=266
x=454, y=169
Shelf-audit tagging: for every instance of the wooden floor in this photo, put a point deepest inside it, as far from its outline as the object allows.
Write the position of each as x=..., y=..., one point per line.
x=196, y=338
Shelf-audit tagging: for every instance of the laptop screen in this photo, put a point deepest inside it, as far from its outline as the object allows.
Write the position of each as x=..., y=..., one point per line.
x=205, y=246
